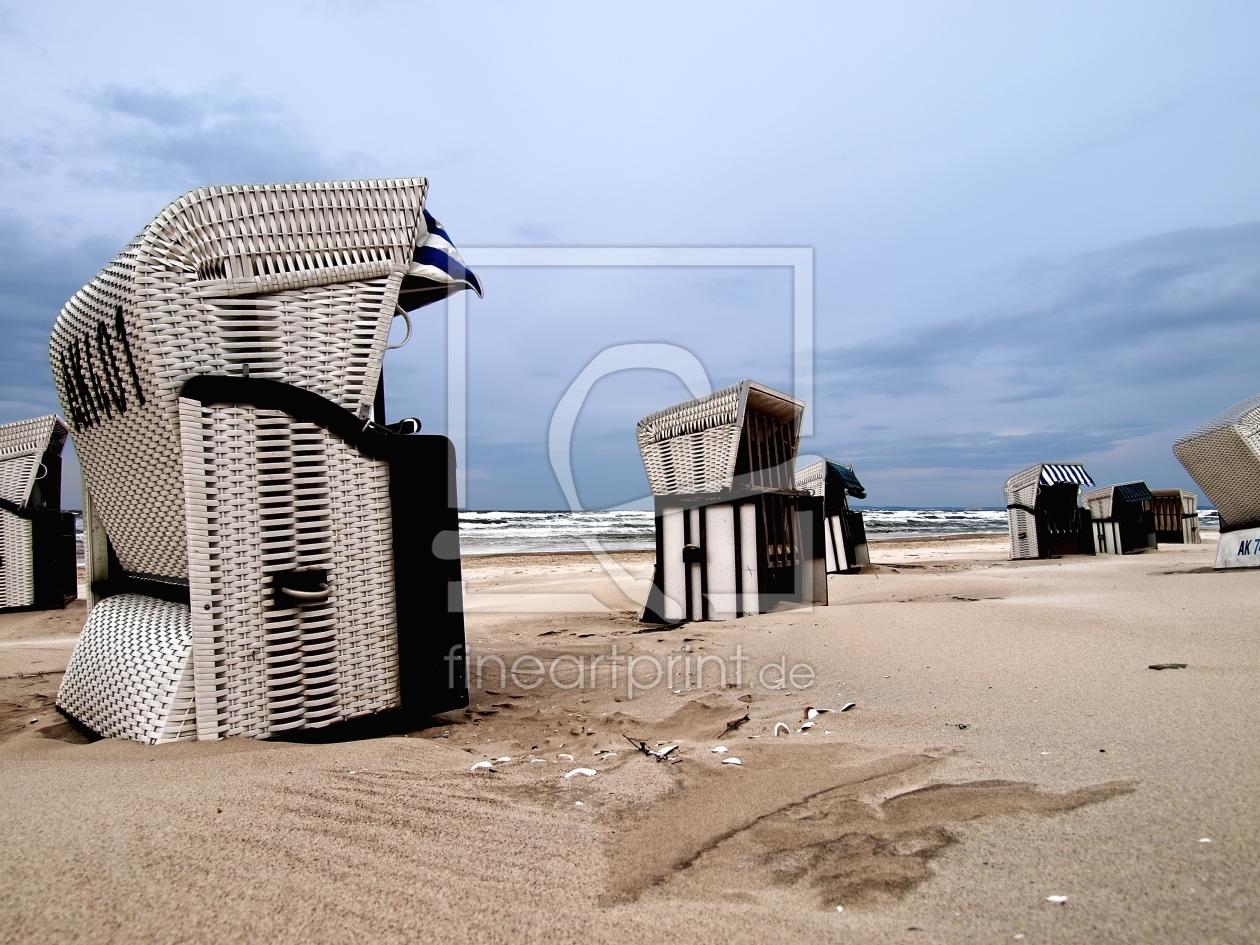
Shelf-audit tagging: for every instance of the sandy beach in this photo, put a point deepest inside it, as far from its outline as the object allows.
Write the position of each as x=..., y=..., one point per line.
x=1007, y=743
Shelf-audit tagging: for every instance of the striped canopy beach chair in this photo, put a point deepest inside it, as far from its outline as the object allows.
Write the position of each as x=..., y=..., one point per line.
x=1044, y=515
x=1123, y=518
x=844, y=535
x=38, y=558
x=733, y=535
x=266, y=554
x=1223, y=457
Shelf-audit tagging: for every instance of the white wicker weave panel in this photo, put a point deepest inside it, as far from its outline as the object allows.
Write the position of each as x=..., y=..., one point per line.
x=1099, y=501
x=1022, y=524
x=274, y=237
x=1223, y=457
x=22, y=445
x=17, y=573
x=717, y=409
x=130, y=675
x=324, y=262
x=1244, y=416
x=813, y=478
x=328, y=339
x=702, y=461
x=267, y=494
x=26, y=436
x=694, y=446
x=17, y=475
x=1021, y=488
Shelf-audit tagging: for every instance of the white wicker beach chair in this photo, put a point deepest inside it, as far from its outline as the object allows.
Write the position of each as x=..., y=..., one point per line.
x=1176, y=516
x=733, y=535
x=220, y=377
x=844, y=532
x=1223, y=457
x=1122, y=518
x=1044, y=516
x=37, y=542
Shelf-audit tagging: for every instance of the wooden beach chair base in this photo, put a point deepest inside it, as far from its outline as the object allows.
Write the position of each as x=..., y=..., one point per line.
x=723, y=557
x=1239, y=549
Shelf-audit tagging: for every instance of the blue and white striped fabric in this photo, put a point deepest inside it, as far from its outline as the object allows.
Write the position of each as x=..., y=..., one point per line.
x=437, y=270
x=1052, y=473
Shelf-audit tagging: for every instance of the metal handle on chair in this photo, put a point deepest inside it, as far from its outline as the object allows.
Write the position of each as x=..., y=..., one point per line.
x=323, y=594
x=406, y=318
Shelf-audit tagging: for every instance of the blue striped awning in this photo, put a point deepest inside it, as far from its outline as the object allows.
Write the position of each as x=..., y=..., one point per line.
x=1133, y=492
x=847, y=478
x=1052, y=473
x=436, y=271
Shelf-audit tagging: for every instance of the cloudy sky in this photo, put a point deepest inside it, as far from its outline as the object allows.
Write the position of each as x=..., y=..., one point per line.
x=1035, y=227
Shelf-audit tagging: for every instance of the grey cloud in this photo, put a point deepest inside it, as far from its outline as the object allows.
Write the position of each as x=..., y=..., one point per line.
x=36, y=279
x=156, y=140
x=1170, y=307
x=986, y=450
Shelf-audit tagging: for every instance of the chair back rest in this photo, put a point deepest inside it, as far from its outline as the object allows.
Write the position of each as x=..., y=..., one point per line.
x=291, y=282
x=1223, y=457
x=744, y=436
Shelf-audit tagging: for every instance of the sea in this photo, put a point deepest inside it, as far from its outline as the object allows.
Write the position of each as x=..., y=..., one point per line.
x=623, y=530
x=506, y=532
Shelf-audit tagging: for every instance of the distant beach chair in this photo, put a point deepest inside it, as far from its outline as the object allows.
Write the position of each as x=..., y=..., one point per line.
x=264, y=553
x=1176, y=516
x=733, y=535
x=1044, y=514
x=38, y=557
x=1223, y=457
x=1123, y=518
x=844, y=532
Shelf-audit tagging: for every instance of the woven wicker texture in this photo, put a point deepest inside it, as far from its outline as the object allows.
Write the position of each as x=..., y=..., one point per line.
x=1100, y=502
x=267, y=495
x=1223, y=457
x=695, y=447
x=1023, y=534
x=1021, y=489
x=17, y=572
x=22, y=445
x=299, y=282
x=813, y=478
x=131, y=673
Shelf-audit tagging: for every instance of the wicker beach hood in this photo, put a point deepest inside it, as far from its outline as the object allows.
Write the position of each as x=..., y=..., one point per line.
x=23, y=447
x=1102, y=502
x=815, y=478
x=745, y=436
x=289, y=282
x=1021, y=488
x=1223, y=457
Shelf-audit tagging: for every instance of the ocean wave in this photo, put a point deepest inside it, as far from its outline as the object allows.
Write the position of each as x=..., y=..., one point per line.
x=499, y=532
x=514, y=532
